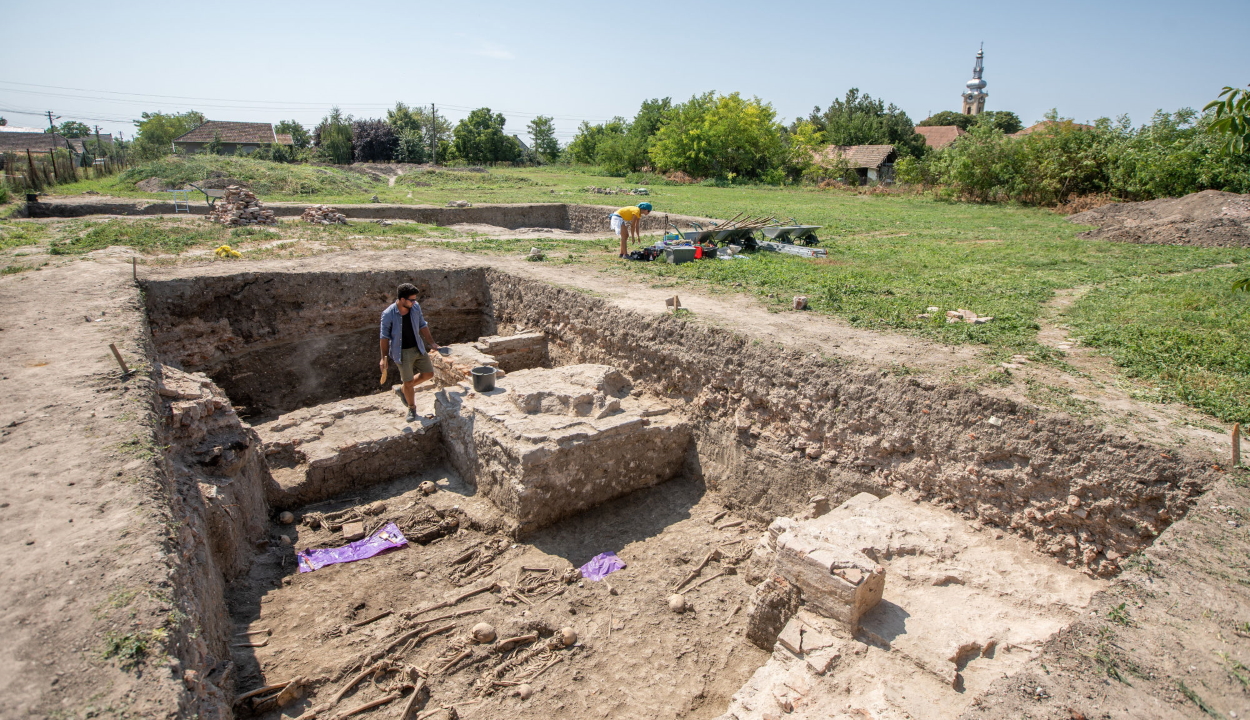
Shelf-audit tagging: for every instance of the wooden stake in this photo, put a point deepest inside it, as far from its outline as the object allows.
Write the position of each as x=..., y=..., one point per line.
x=1236, y=444
x=125, y=370
x=134, y=269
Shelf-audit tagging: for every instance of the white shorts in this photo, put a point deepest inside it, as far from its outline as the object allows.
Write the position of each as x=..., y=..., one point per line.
x=617, y=223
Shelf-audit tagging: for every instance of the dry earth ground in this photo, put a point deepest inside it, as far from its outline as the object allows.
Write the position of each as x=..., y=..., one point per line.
x=85, y=523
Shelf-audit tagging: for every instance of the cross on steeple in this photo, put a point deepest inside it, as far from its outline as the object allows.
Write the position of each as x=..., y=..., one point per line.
x=974, y=96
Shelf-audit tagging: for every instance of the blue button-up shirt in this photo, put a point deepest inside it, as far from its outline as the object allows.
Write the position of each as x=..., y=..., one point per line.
x=392, y=329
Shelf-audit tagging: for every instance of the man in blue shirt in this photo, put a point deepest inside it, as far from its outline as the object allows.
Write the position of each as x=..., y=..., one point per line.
x=405, y=338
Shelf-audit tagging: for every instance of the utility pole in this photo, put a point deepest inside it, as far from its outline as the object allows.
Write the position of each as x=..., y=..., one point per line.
x=52, y=127
x=433, y=134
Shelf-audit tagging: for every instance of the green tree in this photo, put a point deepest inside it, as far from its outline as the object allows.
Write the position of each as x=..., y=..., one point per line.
x=722, y=136
x=542, y=132
x=404, y=120
x=158, y=130
x=214, y=146
x=333, y=138
x=3, y=122
x=1004, y=120
x=1232, y=117
x=480, y=138
x=71, y=129
x=299, y=134
x=862, y=120
x=948, y=117
x=585, y=145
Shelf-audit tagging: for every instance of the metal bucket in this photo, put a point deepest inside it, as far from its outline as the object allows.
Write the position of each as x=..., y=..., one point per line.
x=483, y=378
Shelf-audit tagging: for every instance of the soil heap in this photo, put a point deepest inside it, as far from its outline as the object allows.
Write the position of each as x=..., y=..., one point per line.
x=1209, y=218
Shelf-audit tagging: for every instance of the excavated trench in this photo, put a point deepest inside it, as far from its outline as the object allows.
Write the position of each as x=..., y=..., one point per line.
x=273, y=404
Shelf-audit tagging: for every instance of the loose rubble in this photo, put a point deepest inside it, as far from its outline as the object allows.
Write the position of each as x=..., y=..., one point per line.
x=239, y=206
x=323, y=215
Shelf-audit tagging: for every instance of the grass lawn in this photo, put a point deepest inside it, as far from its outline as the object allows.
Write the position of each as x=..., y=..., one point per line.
x=1188, y=335
x=890, y=257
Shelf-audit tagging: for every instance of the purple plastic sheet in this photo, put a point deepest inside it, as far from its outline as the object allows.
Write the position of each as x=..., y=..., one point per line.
x=385, y=539
x=602, y=565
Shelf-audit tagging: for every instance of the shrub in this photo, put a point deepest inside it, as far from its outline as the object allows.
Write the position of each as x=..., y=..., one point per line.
x=720, y=136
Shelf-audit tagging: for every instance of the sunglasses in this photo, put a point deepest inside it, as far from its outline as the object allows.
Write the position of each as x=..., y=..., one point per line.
x=412, y=299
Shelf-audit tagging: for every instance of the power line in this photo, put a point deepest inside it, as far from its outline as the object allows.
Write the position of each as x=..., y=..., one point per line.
x=276, y=105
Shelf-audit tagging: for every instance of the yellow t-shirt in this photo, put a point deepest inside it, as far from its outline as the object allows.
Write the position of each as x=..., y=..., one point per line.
x=630, y=213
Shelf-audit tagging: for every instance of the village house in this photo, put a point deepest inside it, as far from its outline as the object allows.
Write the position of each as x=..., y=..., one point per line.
x=873, y=163
x=236, y=138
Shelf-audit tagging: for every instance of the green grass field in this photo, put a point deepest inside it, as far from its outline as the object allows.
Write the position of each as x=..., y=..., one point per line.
x=890, y=257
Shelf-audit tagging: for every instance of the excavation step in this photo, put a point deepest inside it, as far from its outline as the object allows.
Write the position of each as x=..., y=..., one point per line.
x=961, y=608
x=549, y=443
x=324, y=451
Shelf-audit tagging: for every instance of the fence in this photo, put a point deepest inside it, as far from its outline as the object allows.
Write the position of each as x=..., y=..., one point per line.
x=31, y=171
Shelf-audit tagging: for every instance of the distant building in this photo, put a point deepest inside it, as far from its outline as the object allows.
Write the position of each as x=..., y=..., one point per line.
x=873, y=163
x=237, y=138
x=939, y=136
x=975, y=95
x=20, y=142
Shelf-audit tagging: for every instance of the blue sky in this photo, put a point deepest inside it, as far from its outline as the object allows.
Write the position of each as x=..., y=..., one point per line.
x=268, y=61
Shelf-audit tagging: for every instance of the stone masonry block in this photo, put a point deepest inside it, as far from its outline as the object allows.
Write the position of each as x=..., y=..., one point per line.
x=548, y=443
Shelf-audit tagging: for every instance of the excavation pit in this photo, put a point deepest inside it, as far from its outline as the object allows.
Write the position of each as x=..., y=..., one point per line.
x=668, y=443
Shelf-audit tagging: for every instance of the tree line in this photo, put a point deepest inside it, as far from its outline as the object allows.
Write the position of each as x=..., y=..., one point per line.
x=731, y=139
x=406, y=135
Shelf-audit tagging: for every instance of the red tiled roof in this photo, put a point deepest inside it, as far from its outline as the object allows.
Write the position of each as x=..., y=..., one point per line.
x=284, y=139
x=939, y=136
x=859, y=156
x=231, y=132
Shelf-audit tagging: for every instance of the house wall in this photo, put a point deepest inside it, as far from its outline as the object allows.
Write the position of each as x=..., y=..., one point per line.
x=227, y=148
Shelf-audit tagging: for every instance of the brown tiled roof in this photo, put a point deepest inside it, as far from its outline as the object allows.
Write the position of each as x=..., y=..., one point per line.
x=939, y=136
x=231, y=132
x=1049, y=124
x=35, y=142
x=284, y=139
x=859, y=156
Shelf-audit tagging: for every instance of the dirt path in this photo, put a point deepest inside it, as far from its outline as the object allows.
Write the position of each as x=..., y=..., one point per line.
x=81, y=520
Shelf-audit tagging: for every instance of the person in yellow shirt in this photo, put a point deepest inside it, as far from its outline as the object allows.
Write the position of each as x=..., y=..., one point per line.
x=627, y=220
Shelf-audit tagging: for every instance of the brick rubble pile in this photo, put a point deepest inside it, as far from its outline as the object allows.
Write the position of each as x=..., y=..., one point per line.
x=324, y=215
x=239, y=206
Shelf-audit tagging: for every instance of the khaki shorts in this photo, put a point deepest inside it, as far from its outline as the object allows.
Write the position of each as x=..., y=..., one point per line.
x=412, y=363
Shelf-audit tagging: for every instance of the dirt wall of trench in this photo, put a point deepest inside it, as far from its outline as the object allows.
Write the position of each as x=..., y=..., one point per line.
x=279, y=341
x=560, y=216
x=774, y=427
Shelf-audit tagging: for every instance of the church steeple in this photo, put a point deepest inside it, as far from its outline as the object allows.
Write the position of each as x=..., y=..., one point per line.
x=974, y=97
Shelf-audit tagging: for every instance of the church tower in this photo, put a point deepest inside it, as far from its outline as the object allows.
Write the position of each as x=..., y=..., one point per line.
x=974, y=97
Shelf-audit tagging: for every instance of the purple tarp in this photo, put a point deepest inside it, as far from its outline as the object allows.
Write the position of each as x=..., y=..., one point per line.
x=602, y=565
x=385, y=539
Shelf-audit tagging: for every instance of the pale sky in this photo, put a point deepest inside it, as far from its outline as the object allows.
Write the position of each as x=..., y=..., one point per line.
x=269, y=61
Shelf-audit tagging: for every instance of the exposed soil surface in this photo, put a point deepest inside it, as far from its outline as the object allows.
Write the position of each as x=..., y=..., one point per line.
x=651, y=663
x=95, y=625
x=1209, y=218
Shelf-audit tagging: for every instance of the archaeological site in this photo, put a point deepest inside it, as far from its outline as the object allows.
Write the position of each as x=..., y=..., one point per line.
x=604, y=509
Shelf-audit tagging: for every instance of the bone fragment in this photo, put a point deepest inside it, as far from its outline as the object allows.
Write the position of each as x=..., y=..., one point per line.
x=714, y=554
x=373, y=619
x=462, y=655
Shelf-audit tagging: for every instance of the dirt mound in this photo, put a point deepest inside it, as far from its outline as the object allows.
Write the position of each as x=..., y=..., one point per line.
x=152, y=184
x=1209, y=218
